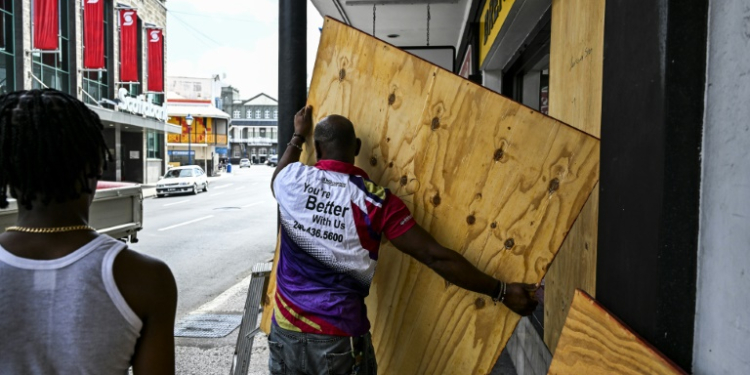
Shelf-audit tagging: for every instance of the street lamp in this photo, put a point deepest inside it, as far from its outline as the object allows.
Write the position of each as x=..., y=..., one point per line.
x=205, y=150
x=189, y=122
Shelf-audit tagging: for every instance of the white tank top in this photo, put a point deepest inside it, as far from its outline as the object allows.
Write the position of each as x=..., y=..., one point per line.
x=65, y=316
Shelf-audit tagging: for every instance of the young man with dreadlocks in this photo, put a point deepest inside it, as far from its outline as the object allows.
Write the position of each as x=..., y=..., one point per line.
x=71, y=301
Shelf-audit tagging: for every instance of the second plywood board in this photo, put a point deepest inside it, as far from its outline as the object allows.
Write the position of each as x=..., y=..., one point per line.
x=595, y=342
x=492, y=179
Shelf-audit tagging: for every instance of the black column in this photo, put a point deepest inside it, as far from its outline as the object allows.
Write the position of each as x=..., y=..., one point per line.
x=652, y=124
x=292, y=66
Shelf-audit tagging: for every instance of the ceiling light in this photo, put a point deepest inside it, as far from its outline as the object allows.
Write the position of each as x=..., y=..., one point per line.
x=393, y=35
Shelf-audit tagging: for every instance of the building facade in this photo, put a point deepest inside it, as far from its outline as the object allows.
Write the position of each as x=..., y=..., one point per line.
x=254, y=133
x=205, y=142
x=133, y=114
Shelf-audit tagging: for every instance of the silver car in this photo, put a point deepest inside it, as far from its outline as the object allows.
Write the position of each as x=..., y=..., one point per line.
x=245, y=163
x=187, y=179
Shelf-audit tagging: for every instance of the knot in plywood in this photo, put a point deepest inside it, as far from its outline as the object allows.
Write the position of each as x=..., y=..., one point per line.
x=509, y=243
x=435, y=125
x=435, y=200
x=479, y=303
x=498, y=154
x=554, y=185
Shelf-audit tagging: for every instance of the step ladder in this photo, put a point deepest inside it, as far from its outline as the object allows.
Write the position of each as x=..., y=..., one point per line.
x=249, y=326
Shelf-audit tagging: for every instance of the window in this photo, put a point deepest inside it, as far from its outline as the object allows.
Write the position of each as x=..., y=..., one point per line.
x=236, y=114
x=275, y=115
x=267, y=114
x=154, y=144
x=257, y=113
x=157, y=99
x=95, y=82
x=249, y=114
x=7, y=50
x=53, y=69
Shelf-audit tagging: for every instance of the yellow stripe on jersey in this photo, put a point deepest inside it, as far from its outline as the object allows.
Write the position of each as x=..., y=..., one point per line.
x=375, y=190
x=296, y=315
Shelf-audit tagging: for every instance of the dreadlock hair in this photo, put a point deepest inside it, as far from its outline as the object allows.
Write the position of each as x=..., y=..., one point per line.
x=42, y=127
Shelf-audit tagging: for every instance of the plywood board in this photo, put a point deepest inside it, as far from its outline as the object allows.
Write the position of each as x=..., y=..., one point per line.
x=492, y=179
x=576, y=63
x=595, y=342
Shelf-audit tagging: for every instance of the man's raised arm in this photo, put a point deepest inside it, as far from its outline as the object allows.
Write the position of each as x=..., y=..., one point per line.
x=302, y=131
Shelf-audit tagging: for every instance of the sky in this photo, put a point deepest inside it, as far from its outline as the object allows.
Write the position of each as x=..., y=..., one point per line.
x=237, y=39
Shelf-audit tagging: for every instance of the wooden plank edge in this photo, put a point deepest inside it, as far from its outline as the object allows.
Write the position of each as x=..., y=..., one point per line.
x=668, y=362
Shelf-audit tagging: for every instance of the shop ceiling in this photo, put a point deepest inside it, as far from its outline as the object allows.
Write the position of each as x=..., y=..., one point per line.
x=405, y=18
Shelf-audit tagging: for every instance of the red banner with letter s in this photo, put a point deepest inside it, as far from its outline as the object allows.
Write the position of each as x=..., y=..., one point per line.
x=93, y=34
x=46, y=25
x=128, y=45
x=155, y=60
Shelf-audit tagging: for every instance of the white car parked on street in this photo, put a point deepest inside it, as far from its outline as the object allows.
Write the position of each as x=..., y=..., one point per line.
x=245, y=163
x=187, y=179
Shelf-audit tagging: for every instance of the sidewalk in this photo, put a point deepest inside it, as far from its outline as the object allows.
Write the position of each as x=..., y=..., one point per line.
x=149, y=190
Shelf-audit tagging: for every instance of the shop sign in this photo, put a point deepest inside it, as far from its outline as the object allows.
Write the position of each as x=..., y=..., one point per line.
x=180, y=152
x=140, y=106
x=490, y=22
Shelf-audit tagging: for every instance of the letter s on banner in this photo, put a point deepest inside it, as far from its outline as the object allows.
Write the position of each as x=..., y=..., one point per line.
x=128, y=18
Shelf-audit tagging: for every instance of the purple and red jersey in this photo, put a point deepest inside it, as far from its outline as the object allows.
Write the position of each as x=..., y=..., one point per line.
x=332, y=221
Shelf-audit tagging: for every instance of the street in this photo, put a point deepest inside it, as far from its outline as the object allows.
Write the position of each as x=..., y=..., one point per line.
x=211, y=242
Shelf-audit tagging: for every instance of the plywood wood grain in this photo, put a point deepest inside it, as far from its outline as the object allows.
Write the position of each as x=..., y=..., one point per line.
x=492, y=179
x=576, y=63
x=595, y=342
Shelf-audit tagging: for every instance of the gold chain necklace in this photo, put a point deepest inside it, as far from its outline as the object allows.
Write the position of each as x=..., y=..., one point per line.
x=71, y=228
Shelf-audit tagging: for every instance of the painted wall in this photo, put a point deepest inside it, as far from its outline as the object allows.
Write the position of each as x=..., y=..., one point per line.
x=722, y=326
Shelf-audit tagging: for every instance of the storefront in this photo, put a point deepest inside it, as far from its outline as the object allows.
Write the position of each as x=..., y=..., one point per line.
x=135, y=132
x=202, y=142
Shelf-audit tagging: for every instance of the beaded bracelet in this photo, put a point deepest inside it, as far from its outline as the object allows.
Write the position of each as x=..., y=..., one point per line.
x=500, y=289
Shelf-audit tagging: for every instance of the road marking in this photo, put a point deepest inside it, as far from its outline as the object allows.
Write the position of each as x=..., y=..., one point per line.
x=186, y=223
x=216, y=194
x=240, y=188
x=223, y=186
x=180, y=202
x=251, y=204
x=223, y=298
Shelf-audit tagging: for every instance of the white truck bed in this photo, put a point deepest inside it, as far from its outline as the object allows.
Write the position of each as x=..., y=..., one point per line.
x=117, y=210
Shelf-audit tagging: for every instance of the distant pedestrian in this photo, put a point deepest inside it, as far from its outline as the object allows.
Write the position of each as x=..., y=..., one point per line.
x=332, y=220
x=71, y=301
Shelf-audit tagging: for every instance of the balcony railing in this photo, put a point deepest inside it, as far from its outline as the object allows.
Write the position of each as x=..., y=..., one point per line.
x=211, y=139
x=254, y=141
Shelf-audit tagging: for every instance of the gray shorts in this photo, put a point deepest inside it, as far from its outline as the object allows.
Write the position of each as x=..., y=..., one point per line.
x=295, y=353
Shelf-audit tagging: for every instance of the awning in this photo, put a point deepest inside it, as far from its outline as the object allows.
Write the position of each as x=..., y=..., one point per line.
x=195, y=110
